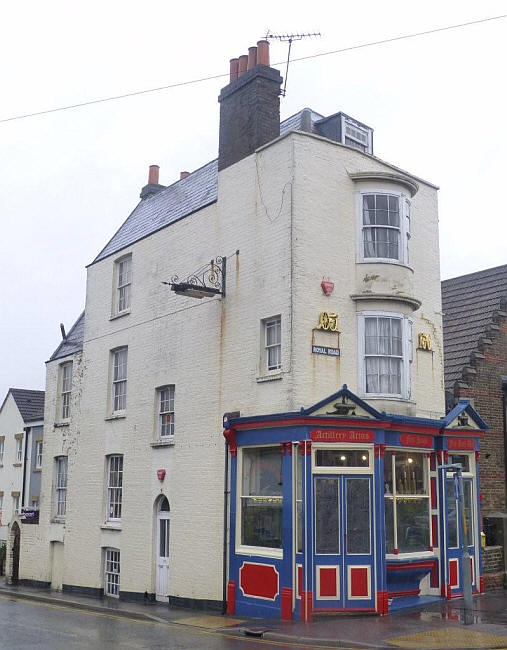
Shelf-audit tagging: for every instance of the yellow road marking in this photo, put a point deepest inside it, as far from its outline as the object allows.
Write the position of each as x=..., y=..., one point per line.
x=196, y=630
x=448, y=637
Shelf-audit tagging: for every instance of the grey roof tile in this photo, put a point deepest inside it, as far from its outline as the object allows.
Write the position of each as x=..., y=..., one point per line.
x=468, y=303
x=29, y=402
x=74, y=341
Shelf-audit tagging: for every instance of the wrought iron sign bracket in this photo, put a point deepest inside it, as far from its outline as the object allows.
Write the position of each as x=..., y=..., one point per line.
x=206, y=282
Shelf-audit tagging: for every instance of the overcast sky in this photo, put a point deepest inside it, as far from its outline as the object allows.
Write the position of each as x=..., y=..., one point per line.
x=437, y=104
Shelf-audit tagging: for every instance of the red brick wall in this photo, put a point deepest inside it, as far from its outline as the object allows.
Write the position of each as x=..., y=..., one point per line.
x=485, y=389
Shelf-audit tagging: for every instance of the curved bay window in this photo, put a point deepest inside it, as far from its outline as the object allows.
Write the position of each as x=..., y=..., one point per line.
x=407, y=502
x=261, y=497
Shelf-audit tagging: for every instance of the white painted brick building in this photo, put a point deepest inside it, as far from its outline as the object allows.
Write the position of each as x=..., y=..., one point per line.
x=287, y=212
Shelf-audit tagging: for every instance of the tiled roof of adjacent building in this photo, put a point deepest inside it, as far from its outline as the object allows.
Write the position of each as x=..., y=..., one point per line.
x=196, y=191
x=73, y=342
x=469, y=303
x=29, y=402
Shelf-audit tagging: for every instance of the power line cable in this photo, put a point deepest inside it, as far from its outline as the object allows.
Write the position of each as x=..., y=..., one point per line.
x=220, y=76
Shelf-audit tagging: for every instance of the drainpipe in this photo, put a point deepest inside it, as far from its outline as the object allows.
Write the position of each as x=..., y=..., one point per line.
x=26, y=430
x=226, y=505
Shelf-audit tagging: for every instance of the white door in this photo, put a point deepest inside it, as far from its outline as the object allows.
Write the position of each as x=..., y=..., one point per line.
x=162, y=556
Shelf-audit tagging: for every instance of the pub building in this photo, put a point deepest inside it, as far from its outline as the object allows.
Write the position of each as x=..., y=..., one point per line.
x=339, y=507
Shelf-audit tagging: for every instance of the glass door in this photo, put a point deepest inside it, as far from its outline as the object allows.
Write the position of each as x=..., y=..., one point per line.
x=456, y=533
x=343, y=555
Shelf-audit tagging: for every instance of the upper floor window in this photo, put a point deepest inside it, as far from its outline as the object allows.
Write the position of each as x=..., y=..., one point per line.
x=1, y=502
x=356, y=136
x=123, y=280
x=166, y=411
x=119, y=388
x=2, y=447
x=385, y=342
x=15, y=503
x=273, y=343
x=61, y=486
x=114, y=487
x=19, y=449
x=65, y=389
x=38, y=454
x=385, y=226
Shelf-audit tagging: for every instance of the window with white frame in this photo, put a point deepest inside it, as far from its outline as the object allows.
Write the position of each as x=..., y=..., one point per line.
x=2, y=447
x=166, y=412
x=61, y=486
x=119, y=372
x=273, y=343
x=114, y=487
x=19, y=449
x=385, y=351
x=385, y=226
x=15, y=504
x=407, y=502
x=261, y=497
x=112, y=572
x=1, y=503
x=123, y=275
x=35, y=504
x=65, y=389
x=355, y=135
x=38, y=454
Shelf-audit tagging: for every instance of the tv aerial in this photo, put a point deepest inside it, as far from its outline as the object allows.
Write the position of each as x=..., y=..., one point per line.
x=289, y=38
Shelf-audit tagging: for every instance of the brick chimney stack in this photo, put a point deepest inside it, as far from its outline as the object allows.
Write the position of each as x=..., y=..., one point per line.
x=249, y=106
x=153, y=186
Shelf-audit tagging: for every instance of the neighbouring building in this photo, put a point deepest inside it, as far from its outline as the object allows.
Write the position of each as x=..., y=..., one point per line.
x=475, y=354
x=261, y=283
x=21, y=433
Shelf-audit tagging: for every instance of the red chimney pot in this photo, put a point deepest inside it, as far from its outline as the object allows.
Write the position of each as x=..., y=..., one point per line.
x=242, y=65
x=263, y=52
x=252, y=57
x=233, y=75
x=153, y=175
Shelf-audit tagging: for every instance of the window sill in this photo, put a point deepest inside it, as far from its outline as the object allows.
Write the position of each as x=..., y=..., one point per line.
x=259, y=551
x=162, y=443
x=37, y=469
x=57, y=425
x=17, y=464
x=120, y=314
x=116, y=416
x=410, y=556
x=58, y=520
x=391, y=398
x=273, y=377
x=383, y=260
x=111, y=526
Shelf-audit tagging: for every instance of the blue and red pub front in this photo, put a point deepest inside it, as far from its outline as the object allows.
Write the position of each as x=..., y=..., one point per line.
x=341, y=508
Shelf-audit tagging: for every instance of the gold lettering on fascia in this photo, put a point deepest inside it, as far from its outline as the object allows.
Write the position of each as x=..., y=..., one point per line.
x=328, y=321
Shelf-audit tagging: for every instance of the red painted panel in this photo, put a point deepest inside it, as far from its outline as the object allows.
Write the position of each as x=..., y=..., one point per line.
x=416, y=440
x=260, y=580
x=434, y=531
x=460, y=443
x=359, y=582
x=453, y=573
x=434, y=575
x=433, y=464
x=286, y=604
x=328, y=582
x=300, y=580
x=231, y=598
x=341, y=435
x=382, y=603
x=433, y=485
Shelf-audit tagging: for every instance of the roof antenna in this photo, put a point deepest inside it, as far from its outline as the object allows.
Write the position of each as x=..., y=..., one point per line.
x=289, y=38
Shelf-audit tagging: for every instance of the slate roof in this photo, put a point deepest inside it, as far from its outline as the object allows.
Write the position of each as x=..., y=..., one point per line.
x=29, y=402
x=198, y=190
x=469, y=304
x=74, y=341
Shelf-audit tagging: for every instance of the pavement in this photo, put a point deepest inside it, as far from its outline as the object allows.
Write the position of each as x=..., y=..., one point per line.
x=437, y=625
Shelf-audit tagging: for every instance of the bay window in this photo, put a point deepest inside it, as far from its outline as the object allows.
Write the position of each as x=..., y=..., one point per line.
x=385, y=342
x=385, y=226
x=261, y=497
x=407, y=502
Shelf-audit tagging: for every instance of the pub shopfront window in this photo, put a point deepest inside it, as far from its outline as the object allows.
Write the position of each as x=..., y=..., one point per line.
x=407, y=502
x=261, y=497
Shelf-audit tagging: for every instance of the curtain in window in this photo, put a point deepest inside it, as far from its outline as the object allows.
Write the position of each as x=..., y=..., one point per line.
x=383, y=350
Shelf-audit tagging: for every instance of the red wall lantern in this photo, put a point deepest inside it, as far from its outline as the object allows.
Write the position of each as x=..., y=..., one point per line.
x=327, y=287
x=161, y=474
